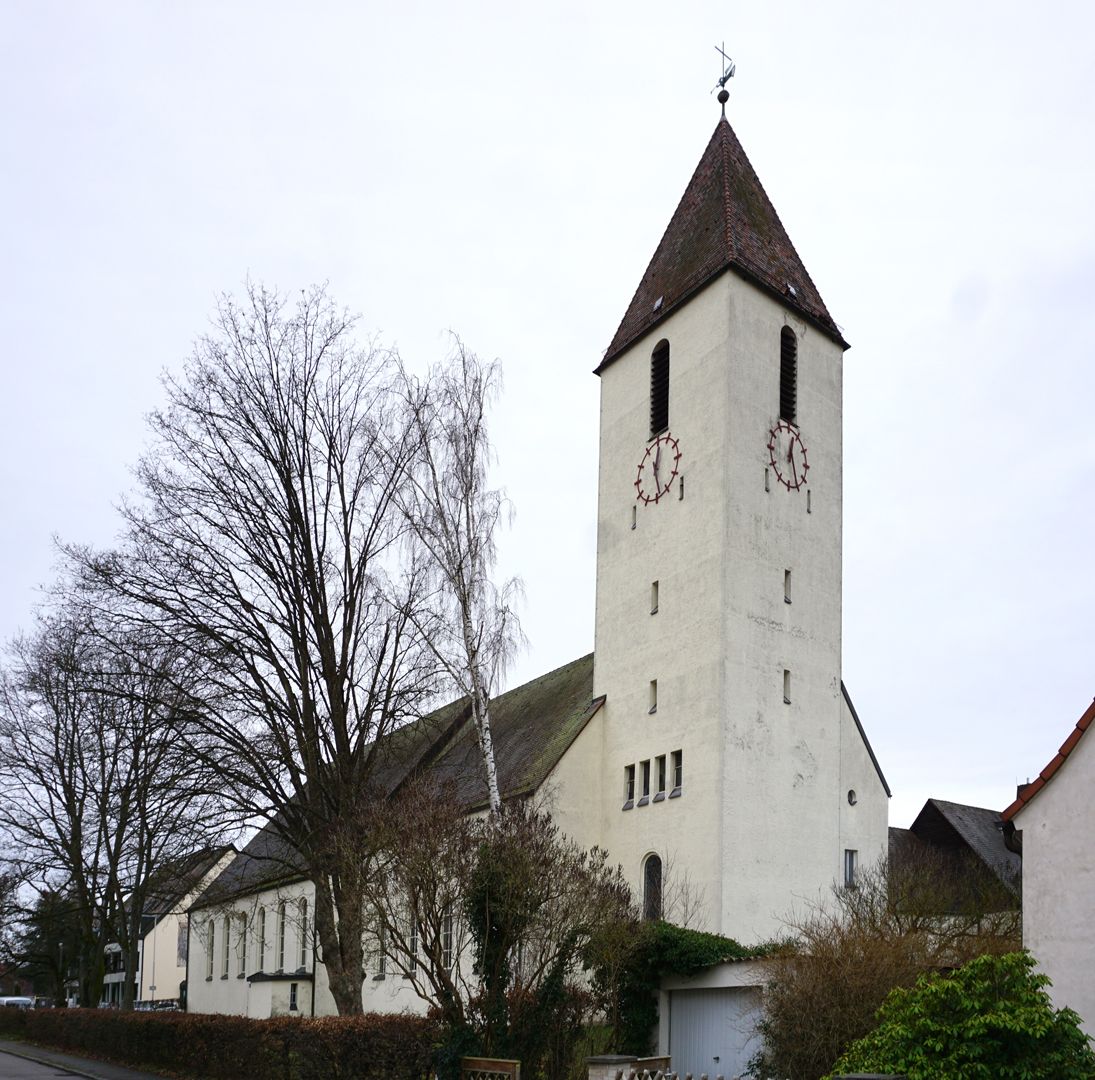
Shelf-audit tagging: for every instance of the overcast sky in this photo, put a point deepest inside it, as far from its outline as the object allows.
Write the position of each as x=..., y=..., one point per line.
x=506, y=171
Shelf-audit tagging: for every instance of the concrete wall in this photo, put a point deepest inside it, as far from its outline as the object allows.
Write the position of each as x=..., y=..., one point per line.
x=1059, y=881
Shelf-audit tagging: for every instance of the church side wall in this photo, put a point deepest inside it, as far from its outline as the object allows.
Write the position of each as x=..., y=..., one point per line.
x=864, y=824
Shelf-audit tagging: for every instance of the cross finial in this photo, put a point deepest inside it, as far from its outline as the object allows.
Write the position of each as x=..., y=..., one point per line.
x=728, y=69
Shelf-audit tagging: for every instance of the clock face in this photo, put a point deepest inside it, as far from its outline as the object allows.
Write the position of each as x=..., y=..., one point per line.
x=659, y=466
x=787, y=456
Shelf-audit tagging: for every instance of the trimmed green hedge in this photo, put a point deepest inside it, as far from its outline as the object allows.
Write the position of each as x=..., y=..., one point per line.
x=397, y=1047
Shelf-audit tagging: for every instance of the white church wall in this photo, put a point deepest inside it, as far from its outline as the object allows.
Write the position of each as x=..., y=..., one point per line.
x=864, y=822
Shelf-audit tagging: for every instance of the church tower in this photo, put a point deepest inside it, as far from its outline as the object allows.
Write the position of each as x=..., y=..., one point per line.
x=739, y=783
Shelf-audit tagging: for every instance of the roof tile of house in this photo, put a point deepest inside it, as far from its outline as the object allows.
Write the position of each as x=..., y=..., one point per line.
x=1027, y=792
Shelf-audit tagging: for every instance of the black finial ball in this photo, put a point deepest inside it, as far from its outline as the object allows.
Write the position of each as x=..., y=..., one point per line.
x=724, y=96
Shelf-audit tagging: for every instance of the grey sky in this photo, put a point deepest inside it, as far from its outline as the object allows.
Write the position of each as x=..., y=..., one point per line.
x=506, y=172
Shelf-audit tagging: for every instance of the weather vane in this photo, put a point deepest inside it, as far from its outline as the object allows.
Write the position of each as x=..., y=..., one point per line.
x=728, y=69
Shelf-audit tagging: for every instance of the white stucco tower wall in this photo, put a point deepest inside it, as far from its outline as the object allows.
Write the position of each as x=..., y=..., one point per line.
x=745, y=645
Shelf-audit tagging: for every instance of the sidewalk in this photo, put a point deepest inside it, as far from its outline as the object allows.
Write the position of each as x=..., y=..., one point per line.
x=87, y=1067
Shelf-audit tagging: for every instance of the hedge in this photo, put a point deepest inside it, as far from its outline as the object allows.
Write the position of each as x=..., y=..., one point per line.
x=396, y=1047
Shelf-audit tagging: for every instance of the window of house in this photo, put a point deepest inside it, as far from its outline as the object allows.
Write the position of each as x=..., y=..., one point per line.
x=659, y=389
x=786, y=586
x=303, y=912
x=182, y=944
x=629, y=787
x=653, y=696
x=659, y=772
x=412, y=940
x=851, y=867
x=678, y=773
x=281, y=936
x=645, y=767
x=293, y=987
x=212, y=934
x=786, y=687
x=241, y=947
x=260, y=942
x=654, y=598
x=446, y=938
x=652, y=887
x=226, y=945
x=381, y=949
x=788, y=375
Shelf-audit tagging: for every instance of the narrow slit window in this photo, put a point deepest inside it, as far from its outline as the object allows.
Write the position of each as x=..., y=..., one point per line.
x=654, y=598
x=281, y=936
x=634, y=516
x=294, y=997
x=629, y=787
x=303, y=933
x=225, y=945
x=653, y=696
x=659, y=389
x=660, y=766
x=678, y=773
x=646, y=783
x=786, y=687
x=209, y=954
x=241, y=970
x=788, y=375
x=447, y=950
x=786, y=586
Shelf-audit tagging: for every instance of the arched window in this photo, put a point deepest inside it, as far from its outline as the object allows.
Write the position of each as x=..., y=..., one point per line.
x=260, y=940
x=303, y=933
x=788, y=375
x=652, y=887
x=281, y=936
x=659, y=389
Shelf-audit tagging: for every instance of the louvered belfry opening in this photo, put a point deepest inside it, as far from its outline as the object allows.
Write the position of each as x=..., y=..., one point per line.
x=788, y=374
x=659, y=389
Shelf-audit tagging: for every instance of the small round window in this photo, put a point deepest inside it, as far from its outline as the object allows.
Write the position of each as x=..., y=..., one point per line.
x=853, y=798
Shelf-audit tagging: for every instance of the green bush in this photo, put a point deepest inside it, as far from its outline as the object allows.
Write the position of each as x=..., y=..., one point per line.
x=399, y=1047
x=991, y=1018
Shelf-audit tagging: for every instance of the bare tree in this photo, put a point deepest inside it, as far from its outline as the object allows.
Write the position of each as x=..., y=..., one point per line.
x=97, y=792
x=265, y=544
x=490, y=919
x=927, y=911
x=453, y=515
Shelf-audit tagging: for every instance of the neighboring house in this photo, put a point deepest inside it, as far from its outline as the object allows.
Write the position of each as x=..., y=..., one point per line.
x=709, y=741
x=162, y=959
x=1050, y=823
x=971, y=833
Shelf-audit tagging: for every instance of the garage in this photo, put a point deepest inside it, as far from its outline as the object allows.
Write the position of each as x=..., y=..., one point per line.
x=712, y=1031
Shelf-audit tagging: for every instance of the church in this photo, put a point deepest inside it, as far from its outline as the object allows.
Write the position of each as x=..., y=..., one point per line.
x=708, y=743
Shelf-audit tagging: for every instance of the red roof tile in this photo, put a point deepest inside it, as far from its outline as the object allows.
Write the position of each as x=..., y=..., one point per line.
x=1028, y=791
x=724, y=221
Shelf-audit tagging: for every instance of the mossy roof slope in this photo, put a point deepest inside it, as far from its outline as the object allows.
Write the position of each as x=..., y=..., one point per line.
x=532, y=726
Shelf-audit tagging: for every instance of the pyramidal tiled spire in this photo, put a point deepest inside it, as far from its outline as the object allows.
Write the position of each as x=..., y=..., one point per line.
x=725, y=220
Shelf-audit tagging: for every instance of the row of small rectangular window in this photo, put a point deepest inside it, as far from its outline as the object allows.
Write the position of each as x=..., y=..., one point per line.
x=225, y=935
x=661, y=770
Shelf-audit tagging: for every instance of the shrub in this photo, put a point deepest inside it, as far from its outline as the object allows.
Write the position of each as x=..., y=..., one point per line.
x=989, y=1019
x=885, y=933
x=399, y=1047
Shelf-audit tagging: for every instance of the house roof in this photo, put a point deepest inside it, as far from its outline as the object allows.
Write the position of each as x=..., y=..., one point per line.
x=956, y=826
x=173, y=881
x=531, y=726
x=1027, y=792
x=725, y=221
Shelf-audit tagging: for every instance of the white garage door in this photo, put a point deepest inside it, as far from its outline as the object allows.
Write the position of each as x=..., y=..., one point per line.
x=711, y=1031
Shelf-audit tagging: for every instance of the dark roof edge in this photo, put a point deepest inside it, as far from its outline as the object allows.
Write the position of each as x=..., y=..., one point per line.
x=746, y=274
x=866, y=741
x=225, y=898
